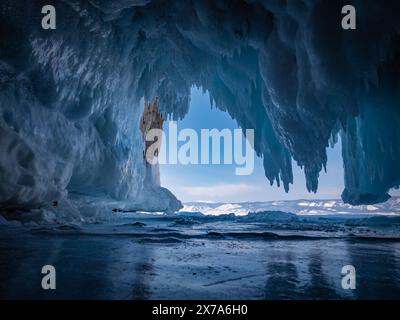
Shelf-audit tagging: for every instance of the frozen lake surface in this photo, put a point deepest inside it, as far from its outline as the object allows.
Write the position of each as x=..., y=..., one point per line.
x=191, y=256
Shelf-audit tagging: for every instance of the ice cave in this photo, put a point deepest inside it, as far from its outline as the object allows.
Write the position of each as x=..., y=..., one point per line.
x=71, y=99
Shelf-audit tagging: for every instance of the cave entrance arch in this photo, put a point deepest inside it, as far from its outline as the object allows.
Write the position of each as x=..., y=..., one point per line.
x=218, y=183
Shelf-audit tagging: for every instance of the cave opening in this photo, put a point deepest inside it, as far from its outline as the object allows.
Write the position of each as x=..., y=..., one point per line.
x=219, y=183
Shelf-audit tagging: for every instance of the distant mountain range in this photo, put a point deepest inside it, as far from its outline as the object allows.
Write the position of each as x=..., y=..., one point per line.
x=300, y=207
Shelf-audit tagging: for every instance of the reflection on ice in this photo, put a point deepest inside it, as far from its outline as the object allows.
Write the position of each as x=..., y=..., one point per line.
x=207, y=258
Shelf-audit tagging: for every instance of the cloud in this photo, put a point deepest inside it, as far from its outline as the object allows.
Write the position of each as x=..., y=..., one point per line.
x=218, y=192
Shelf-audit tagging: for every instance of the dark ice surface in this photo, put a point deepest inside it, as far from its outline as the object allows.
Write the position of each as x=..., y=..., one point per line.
x=198, y=257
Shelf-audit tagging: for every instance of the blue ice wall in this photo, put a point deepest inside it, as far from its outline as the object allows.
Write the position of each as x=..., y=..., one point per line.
x=71, y=98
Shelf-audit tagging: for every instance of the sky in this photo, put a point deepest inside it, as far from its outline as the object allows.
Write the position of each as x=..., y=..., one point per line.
x=218, y=183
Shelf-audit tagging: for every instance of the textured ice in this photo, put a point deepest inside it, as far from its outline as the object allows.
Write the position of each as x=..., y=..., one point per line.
x=157, y=258
x=71, y=98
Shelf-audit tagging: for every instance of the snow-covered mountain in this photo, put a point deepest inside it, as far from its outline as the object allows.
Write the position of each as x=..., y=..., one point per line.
x=300, y=207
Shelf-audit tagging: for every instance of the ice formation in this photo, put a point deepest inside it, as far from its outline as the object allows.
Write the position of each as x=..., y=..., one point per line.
x=71, y=98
